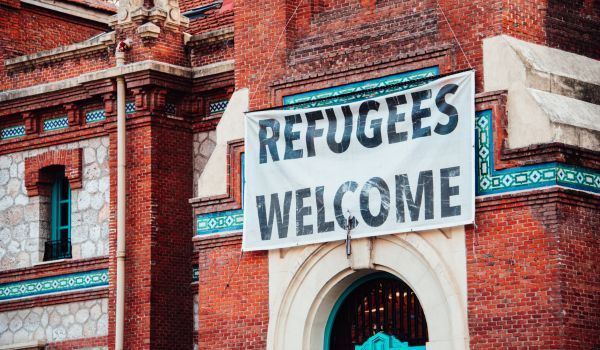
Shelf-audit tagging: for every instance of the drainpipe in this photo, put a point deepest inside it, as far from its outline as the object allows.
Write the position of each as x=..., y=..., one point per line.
x=120, y=297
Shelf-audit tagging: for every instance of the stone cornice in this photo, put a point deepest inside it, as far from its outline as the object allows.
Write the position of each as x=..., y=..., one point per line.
x=215, y=36
x=100, y=42
x=154, y=66
x=96, y=14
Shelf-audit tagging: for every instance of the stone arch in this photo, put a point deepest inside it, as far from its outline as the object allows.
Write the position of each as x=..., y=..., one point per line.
x=298, y=321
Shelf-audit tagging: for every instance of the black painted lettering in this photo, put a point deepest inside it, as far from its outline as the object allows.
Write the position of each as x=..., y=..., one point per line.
x=322, y=224
x=384, y=208
x=268, y=142
x=342, y=220
x=375, y=126
x=312, y=131
x=404, y=193
x=447, y=109
x=290, y=136
x=342, y=146
x=283, y=219
x=419, y=113
x=395, y=117
x=448, y=191
x=301, y=212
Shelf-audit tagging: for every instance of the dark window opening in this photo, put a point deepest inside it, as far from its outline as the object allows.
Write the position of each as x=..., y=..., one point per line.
x=59, y=244
x=382, y=304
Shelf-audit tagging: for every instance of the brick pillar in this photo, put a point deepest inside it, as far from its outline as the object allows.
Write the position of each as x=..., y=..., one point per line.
x=158, y=300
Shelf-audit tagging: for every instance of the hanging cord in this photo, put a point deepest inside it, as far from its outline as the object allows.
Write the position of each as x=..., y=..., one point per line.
x=234, y=272
x=275, y=48
x=454, y=34
x=475, y=240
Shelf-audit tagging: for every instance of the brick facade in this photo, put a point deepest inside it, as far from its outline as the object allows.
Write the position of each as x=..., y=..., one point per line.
x=532, y=267
x=233, y=294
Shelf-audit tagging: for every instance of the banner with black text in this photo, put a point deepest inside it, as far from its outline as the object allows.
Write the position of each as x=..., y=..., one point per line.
x=395, y=163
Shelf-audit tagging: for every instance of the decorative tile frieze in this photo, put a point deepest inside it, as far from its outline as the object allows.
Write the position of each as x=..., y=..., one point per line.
x=360, y=90
x=195, y=273
x=218, y=106
x=95, y=116
x=130, y=107
x=56, y=123
x=13, y=131
x=491, y=181
x=54, y=284
x=220, y=222
x=170, y=109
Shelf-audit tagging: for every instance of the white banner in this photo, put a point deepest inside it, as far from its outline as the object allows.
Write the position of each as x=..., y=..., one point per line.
x=394, y=163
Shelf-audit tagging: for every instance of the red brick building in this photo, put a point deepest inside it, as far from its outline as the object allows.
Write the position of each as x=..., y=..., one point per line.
x=179, y=77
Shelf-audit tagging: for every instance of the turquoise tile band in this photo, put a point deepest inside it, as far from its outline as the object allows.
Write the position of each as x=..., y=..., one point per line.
x=95, y=116
x=13, y=131
x=357, y=91
x=218, y=106
x=56, y=123
x=195, y=273
x=129, y=107
x=54, y=284
x=220, y=222
x=491, y=181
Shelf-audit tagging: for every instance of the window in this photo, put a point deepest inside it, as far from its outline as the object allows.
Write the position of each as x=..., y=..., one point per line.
x=59, y=245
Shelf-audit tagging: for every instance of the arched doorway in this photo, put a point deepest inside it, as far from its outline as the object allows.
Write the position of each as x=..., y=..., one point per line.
x=307, y=283
x=378, y=302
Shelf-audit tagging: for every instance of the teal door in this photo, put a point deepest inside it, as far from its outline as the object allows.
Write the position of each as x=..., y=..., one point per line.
x=382, y=341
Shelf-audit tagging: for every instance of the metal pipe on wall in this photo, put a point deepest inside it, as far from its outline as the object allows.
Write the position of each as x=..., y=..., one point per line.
x=121, y=173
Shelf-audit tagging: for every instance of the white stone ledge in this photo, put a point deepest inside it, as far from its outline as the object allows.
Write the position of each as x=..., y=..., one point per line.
x=93, y=14
x=99, y=42
x=213, y=36
x=553, y=95
x=185, y=72
x=509, y=58
x=569, y=111
x=213, y=68
x=30, y=345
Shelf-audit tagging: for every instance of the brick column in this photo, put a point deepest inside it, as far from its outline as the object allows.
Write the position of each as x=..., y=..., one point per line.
x=158, y=300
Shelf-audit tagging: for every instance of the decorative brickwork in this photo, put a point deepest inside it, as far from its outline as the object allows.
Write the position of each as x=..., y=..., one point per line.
x=159, y=231
x=35, y=181
x=30, y=29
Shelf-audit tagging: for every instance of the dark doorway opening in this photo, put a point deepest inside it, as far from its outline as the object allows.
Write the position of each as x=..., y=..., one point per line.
x=378, y=303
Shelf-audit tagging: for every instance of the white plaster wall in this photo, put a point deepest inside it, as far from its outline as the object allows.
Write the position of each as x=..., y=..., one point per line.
x=213, y=180
x=22, y=234
x=547, y=91
x=196, y=311
x=305, y=282
x=204, y=145
x=53, y=323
